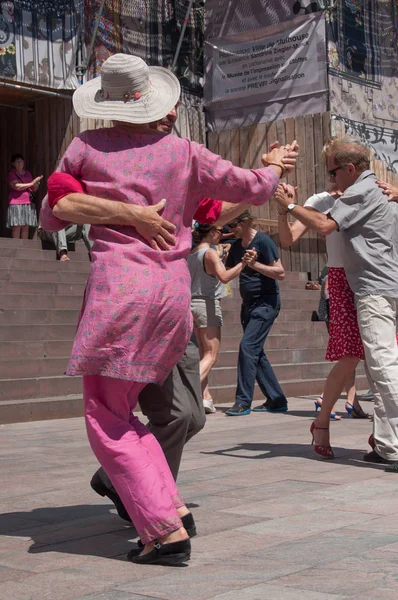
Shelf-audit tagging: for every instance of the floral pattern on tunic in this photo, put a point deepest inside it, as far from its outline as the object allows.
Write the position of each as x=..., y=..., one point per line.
x=135, y=322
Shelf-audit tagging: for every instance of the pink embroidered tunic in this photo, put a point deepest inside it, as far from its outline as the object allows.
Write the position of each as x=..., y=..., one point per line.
x=135, y=321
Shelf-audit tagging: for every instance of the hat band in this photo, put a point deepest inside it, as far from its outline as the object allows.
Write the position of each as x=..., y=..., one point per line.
x=121, y=95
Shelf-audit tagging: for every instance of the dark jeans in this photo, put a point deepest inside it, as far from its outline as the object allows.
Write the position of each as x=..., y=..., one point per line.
x=257, y=320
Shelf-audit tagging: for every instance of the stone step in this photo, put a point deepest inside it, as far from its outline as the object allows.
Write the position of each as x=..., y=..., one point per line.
x=35, y=349
x=39, y=266
x=301, y=295
x=8, y=242
x=36, y=301
x=39, y=409
x=34, y=245
x=306, y=387
x=283, y=371
x=34, y=367
x=53, y=289
x=288, y=301
x=28, y=276
x=229, y=358
x=39, y=387
x=46, y=332
x=281, y=341
x=295, y=284
x=61, y=407
x=294, y=314
x=288, y=323
x=289, y=348
x=66, y=331
x=36, y=253
x=233, y=328
x=286, y=314
x=302, y=364
x=9, y=316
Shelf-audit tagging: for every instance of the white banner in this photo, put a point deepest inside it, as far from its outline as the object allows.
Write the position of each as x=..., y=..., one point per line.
x=282, y=66
x=38, y=42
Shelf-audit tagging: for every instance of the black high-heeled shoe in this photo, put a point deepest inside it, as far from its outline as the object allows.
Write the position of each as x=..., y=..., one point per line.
x=164, y=554
x=187, y=522
x=356, y=413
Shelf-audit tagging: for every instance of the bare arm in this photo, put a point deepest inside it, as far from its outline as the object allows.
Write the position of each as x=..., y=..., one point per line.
x=275, y=270
x=311, y=219
x=19, y=187
x=315, y=220
x=214, y=266
x=289, y=233
x=15, y=185
x=83, y=209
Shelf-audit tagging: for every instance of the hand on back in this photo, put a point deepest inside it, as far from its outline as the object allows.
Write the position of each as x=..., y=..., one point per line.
x=390, y=190
x=153, y=228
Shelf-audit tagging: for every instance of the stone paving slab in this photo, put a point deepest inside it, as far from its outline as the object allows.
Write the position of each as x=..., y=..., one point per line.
x=274, y=521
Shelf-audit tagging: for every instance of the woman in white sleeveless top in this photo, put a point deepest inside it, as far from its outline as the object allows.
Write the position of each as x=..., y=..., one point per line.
x=208, y=276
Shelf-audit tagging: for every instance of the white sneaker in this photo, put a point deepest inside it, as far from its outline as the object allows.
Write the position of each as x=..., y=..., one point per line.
x=209, y=407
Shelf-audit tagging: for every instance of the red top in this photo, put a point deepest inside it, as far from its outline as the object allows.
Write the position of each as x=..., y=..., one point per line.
x=209, y=211
x=19, y=196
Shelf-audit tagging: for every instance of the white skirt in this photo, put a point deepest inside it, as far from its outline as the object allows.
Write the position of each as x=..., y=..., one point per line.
x=20, y=215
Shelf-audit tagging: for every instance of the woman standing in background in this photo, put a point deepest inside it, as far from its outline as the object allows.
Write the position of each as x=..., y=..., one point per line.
x=21, y=212
x=208, y=276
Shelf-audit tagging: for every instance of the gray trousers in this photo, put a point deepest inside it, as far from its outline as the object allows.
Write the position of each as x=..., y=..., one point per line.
x=174, y=410
x=72, y=233
x=377, y=320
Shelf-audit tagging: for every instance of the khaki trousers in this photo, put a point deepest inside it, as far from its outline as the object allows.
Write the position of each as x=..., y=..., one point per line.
x=377, y=319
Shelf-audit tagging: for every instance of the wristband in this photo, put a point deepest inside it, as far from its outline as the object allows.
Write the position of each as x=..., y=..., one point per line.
x=278, y=165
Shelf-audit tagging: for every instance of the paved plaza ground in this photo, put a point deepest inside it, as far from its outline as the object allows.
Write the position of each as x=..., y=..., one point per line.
x=274, y=522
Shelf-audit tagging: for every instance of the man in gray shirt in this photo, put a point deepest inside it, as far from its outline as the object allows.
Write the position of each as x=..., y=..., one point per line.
x=370, y=226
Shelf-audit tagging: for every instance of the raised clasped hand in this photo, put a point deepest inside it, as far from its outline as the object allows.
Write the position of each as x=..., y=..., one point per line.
x=250, y=257
x=285, y=194
x=285, y=155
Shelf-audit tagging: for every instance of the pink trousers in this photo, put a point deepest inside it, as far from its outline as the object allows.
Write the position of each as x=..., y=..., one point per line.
x=131, y=456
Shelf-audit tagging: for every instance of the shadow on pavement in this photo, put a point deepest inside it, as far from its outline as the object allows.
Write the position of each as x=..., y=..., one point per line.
x=86, y=529
x=264, y=450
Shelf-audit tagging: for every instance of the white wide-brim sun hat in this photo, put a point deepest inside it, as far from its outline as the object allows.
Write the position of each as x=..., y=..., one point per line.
x=128, y=90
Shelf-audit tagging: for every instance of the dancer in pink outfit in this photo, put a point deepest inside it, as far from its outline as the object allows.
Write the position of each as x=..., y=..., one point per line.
x=135, y=321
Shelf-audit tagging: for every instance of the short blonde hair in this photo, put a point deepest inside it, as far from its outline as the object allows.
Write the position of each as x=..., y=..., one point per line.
x=346, y=150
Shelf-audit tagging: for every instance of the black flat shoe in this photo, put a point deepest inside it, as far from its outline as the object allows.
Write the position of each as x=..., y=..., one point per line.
x=164, y=554
x=187, y=522
x=103, y=486
x=374, y=457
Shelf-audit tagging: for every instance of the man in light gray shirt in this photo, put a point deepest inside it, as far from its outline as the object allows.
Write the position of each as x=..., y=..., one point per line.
x=369, y=223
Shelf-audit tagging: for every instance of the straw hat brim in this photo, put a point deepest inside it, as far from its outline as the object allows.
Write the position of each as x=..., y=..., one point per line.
x=163, y=95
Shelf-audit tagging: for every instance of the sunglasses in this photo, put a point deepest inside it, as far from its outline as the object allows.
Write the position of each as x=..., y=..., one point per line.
x=332, y=172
